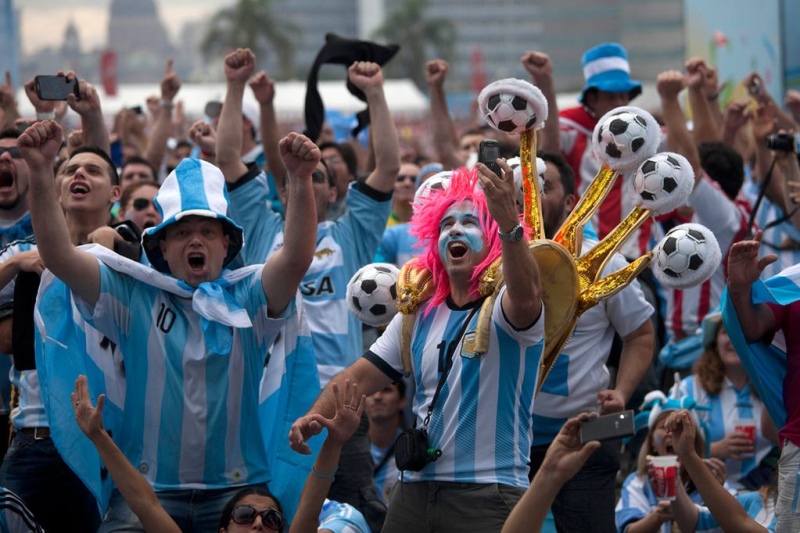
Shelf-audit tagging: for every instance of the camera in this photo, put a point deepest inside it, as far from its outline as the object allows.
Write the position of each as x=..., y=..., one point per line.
x=783, y=142
x=488, y=152
x=412, y=451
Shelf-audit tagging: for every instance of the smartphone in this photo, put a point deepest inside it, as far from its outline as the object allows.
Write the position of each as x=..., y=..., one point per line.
x=488, y=152
x=56, y=87
x=608, y=427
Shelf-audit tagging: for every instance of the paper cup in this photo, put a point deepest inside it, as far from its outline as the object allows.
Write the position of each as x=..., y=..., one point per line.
x=665, y=476
x=748, y=427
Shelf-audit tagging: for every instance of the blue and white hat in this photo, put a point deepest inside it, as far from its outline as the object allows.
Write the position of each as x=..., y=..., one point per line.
x=193, y=188
x=606, y=68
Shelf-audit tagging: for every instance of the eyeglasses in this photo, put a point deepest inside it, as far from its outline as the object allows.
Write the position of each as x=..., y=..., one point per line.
x=404, y=177
x=332, y=160
x=13, y=151
x=246, y=514
x=319, y=176
x=140, y=204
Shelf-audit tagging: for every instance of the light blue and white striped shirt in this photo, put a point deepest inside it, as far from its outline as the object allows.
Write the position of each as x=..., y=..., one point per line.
x=482, y=418
x=343, y=246
x=190, y=411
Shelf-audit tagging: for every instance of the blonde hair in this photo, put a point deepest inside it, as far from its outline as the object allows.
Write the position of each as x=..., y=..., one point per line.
x=648, y=447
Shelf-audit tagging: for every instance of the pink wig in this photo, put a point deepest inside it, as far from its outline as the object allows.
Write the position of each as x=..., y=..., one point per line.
x=428, y=217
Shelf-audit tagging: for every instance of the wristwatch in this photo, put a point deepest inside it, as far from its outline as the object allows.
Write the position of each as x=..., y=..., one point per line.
x=514, y=235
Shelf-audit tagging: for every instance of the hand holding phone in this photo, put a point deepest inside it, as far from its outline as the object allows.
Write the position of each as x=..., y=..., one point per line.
x=608, y=427
x=56, y=87
x=488, y=153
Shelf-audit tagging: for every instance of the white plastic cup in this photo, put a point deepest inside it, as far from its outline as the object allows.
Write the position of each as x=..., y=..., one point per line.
x=747, y=426
x=665, y=476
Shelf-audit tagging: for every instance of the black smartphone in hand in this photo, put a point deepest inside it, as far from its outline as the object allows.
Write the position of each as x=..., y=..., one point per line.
x=488, y=152
x=608, y=427
x=56, y=87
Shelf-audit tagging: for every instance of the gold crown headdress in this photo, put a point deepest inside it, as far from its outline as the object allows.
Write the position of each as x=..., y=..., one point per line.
x=624, y=139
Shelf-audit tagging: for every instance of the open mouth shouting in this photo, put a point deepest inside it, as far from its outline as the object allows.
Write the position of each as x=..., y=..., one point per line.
x=6, y=179
x=457, y=249
x=79, y=189
x=197, y=261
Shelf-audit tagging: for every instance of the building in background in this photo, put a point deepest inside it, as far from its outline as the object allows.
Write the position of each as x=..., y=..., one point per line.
x=140, y=40
x=9, y=36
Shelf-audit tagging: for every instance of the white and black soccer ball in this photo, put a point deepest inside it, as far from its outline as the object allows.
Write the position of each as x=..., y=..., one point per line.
x=439, y=181
x=510, y=113
x=663, y=182
x=688, y=255
x=625, y=136
x=372, y=292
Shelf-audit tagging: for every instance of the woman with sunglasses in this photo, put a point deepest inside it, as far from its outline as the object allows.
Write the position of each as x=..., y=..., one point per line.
x=136, y=205
x=251, y=508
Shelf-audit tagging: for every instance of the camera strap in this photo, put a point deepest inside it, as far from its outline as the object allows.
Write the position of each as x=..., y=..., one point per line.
x=451, y=348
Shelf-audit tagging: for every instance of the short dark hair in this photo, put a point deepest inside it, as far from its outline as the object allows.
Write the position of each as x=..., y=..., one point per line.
x=564, y=170
x=225, y=518
x=346, y=152
x=724, y=165
x=10, y=133
x=112, y=168
x=128, y=192
x=401, y=387
x=139, y=160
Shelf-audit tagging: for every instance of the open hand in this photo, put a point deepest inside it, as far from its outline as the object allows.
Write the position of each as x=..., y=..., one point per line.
x=89, y=418
x=347, y=417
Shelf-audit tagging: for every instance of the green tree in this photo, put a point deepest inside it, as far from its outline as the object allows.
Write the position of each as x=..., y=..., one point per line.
x=251, y=24
x=417, y=35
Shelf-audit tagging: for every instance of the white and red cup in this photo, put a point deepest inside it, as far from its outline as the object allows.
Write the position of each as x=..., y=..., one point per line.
x=748, y=427
x=665, y=476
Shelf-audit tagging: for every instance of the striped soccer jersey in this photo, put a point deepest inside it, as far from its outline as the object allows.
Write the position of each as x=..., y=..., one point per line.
x=15, y=517
x=579, y=372
x=482, y=418
x=397, y=246
x=343, y=246
x=192, y=412
x=726, y=407
x=637, y=499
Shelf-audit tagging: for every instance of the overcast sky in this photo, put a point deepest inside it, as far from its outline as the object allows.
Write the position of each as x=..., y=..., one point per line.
x=43, y=21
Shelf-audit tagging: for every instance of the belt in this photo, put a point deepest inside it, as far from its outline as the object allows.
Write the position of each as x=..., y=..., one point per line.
x=36, y=433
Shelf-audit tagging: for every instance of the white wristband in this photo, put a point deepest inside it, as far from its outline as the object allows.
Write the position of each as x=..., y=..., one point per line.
x=46, y=116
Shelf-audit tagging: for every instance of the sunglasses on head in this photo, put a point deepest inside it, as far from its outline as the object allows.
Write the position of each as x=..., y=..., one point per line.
x=13, y=151
x=319, y=176
x=403, y=177
x=140, y=204
x=246, y=514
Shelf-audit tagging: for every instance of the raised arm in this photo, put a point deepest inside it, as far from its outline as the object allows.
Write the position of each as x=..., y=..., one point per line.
x=8, y=104
x=205, y=137
x=565, y=456
x=540, y=68
x=445, y=139
x=744, y=268
x=285, y=269
x=634, y=360
x=347, y=415
x=669, y=84
x=730, y=515
x=264, y=90
x=369, y=78
x=39, y=145
x=162, y=127
x=706, y=127
x=138, y=493
x=239, y=67
x=522, y=301
x=88, y=107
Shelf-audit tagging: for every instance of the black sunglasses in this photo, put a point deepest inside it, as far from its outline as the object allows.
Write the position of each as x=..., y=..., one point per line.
x=140, y=204
x=13, y=151
x=403, y=177
x=319, y=176
x=246, y=514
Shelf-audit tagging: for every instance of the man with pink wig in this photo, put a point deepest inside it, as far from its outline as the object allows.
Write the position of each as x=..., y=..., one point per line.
x=473, y=410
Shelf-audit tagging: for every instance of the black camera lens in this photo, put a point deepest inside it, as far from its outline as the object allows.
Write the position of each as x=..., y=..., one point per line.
x=781, y=142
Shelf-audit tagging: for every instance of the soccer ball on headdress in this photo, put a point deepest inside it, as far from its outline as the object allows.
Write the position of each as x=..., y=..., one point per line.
x=663, y=182
x=510, y=113
x=513, y=105
x=688, y=255
x=625, y=136
x=371, y=293
x=439, y=181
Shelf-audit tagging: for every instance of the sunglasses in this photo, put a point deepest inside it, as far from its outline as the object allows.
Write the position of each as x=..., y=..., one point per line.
x=246, y=514
x=12, y=151
x=404, y=177
x=140, y=204
x=319, y=176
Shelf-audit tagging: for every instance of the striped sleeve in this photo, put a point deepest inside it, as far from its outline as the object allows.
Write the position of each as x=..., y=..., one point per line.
x=16, y=517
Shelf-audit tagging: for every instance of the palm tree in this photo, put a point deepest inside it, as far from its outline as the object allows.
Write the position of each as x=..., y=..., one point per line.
x=416, y=34
x=251, y=24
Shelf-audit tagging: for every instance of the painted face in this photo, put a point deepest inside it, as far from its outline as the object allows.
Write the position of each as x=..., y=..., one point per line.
x=462, y=244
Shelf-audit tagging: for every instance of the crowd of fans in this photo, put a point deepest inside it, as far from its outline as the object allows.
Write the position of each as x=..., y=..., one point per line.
x=186, y=283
